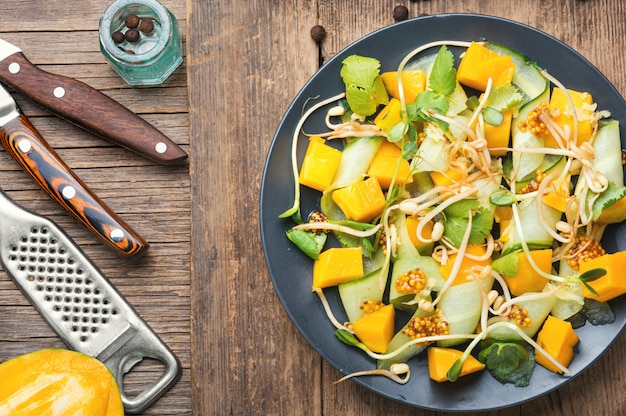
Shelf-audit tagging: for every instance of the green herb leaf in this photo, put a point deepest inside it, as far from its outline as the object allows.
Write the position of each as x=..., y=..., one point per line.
x=457, y=219
x=442, y=79
x=425, y=101
x=589, y=288
x=593, y=274
x=508, y=362
x=365, y=90
x=503, y=357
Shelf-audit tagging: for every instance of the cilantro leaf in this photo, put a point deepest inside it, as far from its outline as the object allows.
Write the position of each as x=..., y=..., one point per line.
x=442, y=79
x=508, y=362
x=610, y=196
x=457, y=219
x=365, y=90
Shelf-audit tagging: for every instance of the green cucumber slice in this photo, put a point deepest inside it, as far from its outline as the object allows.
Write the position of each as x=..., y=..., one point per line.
x=608, y=152
x=525, y=164
x=461, y=307
x=535, y=235
x=356, y=158
x=538, y=310
x=428, y=265
x=354, y=292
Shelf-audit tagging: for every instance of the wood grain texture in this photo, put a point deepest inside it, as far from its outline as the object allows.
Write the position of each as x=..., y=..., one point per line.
x=246, y=61
x=153, y=199
x=203, y=285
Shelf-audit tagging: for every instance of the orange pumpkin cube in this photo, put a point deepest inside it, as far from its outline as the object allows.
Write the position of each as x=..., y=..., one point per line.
x=362, y=201
x=389, y=116
x=613, y=283
x=337, y=265
x=498, y=136
x=441, y=359
x=320, y=164
x=413, y=82
x=479, y=64
x=388, y=163
x=557, y=338
x=376, y=329
x=527, y=278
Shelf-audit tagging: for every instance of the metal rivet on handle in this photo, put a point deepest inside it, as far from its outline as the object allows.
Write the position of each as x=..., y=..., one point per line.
x=117, y=235
x=24, y=146
x=59, y=92
x=160, y=147
x=14, y=67
x=68, y=192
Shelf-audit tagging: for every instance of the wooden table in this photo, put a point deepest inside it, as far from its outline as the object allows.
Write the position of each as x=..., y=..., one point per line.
x=203, y=286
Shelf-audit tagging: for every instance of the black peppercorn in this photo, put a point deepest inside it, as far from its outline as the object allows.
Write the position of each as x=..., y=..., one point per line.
x=400, y=13
x=132, y=35
x=118, y=37
x=146, y=25
x=131, y=21
x=318, y=33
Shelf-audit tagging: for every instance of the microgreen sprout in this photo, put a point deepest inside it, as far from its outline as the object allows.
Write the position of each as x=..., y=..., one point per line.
x=394, y=373
x=348, y=338
x=294, y=211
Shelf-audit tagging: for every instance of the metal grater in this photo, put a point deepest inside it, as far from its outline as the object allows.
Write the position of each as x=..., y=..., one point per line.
x=78, y=301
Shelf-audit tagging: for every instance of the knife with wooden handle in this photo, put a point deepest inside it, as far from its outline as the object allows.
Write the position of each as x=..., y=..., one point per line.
x=86, y=107
x=26, y=145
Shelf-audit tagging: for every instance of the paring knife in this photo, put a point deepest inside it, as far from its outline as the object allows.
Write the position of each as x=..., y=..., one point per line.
x=26, y=145
x=86, y=107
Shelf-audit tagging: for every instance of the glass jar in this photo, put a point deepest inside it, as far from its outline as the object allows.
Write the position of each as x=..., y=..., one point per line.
x=145, y=57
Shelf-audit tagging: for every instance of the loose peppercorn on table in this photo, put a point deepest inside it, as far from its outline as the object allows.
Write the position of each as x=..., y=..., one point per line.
x=203, y=286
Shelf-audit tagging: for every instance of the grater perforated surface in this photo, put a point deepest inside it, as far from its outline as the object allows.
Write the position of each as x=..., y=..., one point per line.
x=69, y=291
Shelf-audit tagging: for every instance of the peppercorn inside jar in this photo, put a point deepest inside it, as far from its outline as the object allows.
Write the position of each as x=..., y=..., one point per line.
x=141, y=41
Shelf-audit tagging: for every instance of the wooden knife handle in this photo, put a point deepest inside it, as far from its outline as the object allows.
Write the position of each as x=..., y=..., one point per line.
x=88, y=108
x=24, y=143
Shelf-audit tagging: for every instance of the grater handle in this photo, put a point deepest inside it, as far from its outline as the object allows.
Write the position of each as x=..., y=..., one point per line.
x=143, y=344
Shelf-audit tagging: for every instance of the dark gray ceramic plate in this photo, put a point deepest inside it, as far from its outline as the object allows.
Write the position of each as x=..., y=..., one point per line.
x=291, y=271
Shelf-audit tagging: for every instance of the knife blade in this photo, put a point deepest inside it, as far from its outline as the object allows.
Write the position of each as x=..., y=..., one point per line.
x=86, y=107
x=37, y=158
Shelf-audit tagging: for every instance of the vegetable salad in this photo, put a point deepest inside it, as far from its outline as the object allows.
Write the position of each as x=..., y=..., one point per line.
x=470, y=198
